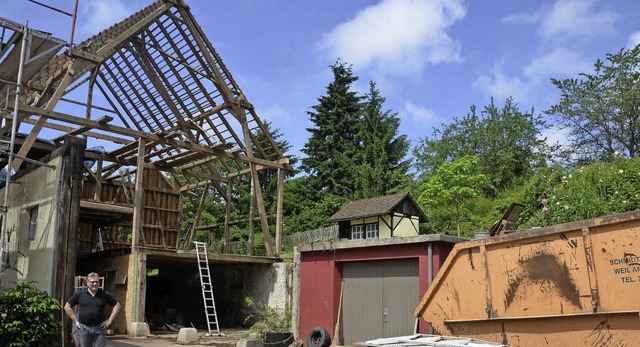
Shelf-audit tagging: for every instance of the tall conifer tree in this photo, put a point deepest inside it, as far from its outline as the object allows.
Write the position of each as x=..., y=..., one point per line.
x=382, y=157
x=332, y=146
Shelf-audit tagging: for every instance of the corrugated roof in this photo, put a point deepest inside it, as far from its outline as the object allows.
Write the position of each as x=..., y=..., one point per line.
x=377, y=206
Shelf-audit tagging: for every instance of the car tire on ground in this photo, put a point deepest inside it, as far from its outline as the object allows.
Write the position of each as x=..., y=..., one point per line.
x=318, y=337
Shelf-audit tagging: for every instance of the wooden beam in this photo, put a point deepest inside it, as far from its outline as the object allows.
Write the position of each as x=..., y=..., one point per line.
x=60, y=127
x=196, y=220
x=33, y=134
x=280, y=194
x=138, y=200
x=105, y=207
x=227, y=218
x=84, y=129
x=141, y=134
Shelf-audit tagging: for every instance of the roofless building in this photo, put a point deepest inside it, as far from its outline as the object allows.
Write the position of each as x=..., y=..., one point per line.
x=108, y=136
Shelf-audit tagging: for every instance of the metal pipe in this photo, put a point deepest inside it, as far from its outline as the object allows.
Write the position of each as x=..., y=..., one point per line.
x=73, y=24
x=53, y=8
x=14, y=129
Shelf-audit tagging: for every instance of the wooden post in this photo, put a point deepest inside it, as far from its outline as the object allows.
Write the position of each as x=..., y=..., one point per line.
x=227, y=218
x=136, y=286
x=68, y=216
x=196, y=220
x=279, y=212
x=252, y=212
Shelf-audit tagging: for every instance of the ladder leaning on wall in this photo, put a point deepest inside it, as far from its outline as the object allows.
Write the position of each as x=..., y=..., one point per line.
x=207, y=288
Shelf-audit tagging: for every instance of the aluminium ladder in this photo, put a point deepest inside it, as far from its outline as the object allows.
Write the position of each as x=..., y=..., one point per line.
x=207, y=287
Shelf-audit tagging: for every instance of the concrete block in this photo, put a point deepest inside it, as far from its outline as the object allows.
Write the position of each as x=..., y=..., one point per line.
x=188, y=336
x=249, y=343
x=139, y=329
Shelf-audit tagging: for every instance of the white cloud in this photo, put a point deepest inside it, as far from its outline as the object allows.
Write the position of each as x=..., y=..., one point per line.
x=274, y=112
x=499, y=85
x=419, y=115
x=97, y=15
x=559, y=63
x=397, y=36
x=522, y=18
x=577, y=19
x=634, y=39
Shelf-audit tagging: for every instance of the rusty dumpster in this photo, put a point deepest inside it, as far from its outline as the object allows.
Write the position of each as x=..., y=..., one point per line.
x=574, y=284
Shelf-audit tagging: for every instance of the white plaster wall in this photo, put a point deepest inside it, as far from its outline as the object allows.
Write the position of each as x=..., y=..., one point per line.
x=270, y=284
x=407, y=227
x=32, y=260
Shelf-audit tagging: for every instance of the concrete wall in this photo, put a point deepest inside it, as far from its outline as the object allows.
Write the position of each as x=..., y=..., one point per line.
x=32, y=260
x=270, y=285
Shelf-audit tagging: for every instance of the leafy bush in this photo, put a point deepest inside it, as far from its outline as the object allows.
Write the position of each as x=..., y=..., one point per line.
x=560, y=196
x=264, y=319
x=29, y=317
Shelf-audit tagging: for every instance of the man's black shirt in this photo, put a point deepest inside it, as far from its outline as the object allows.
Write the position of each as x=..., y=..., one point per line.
x=91, y=308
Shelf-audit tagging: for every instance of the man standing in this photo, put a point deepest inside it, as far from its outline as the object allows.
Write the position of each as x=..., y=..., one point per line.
x=90, y=323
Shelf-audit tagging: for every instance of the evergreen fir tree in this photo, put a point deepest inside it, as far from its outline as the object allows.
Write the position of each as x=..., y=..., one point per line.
x=331, y=147
x=383, y=167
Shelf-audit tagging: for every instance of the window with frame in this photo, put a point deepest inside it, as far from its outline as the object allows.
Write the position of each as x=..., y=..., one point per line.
x=372, y=231
x=33, y=223
x=357, y=232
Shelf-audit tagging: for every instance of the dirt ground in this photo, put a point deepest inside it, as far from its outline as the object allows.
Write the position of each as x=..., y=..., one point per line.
x=229, y=338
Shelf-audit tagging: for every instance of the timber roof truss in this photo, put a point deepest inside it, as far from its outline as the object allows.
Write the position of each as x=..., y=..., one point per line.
x=153, y=77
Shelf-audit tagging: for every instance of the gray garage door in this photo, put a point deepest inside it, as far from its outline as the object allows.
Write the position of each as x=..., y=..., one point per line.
x=378, y=299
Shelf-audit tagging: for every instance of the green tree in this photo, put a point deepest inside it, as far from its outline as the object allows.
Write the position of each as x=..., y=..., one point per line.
x=29, y=317
x=453, y=183
x=507, y=141
x=304, y=208
x=601, y=110
x=382, y=157
x=332, y=146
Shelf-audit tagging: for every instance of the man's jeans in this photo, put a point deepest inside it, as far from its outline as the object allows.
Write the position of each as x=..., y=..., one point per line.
x=90, y=336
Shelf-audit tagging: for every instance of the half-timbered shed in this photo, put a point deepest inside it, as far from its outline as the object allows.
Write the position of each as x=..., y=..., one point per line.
x=395, y=215
x=102, y=140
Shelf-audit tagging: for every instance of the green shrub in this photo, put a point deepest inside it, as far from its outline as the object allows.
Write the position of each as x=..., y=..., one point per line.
x=264, y=319
x=581, y=193
x=28, y=317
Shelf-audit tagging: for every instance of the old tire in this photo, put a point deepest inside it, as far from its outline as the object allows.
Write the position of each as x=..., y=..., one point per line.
x=318, y=337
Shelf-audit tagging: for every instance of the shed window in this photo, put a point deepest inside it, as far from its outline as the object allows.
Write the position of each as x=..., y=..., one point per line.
x=357, y=232
x=33, y=223
x=372, y=231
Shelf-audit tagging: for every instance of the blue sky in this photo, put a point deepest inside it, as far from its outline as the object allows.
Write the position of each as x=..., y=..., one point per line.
x=431, y=59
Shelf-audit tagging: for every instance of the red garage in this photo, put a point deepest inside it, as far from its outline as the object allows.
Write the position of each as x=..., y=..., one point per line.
x=380, y=282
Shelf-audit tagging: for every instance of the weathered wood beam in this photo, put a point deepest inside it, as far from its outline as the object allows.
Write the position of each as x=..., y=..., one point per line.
x=196, y=219
x=140, y=134
x=65, y=128
x=138, y=200
x=84, y=129
x=279, y=207
x=105, y=207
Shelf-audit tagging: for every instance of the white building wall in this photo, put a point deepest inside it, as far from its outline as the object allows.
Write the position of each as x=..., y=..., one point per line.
x=270, y=285
x=32, y=260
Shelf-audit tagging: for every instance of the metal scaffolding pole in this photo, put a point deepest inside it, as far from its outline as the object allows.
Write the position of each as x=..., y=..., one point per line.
x=14, y=126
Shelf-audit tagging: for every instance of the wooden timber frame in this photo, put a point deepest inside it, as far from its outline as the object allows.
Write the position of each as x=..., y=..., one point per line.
x=161, y=116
